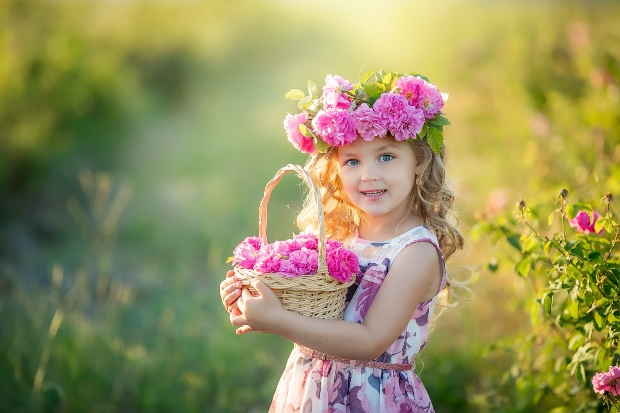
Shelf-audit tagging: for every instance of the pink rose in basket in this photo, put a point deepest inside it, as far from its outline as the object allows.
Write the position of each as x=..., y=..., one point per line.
x=246, y=253
x=301, y=262
x=304, y=240
x=342, y=263
x=296, y=257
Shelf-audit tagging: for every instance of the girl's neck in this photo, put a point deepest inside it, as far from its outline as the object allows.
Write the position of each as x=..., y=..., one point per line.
x=376, y=229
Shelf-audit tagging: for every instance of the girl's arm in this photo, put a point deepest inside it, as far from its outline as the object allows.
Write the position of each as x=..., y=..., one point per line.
x=415, y=276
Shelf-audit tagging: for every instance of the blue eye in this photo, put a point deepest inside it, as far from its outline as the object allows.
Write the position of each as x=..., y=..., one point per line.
x=386, y=158
x=352, y=162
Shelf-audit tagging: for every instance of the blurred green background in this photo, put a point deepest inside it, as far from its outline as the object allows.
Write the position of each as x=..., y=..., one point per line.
x=136, y=138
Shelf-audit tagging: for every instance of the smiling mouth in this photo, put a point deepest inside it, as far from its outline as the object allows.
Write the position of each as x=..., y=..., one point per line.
x=373, y=193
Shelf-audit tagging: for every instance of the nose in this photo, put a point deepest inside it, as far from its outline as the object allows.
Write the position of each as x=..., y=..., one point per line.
x=369, y=174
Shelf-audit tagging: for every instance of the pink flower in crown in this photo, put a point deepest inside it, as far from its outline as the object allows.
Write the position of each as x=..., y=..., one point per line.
x=333, y=96
x=335, y=126
x=430, y=100
x=391, y=108
x=342, y=263
x=368, y=124
x=299, y=141
x=410, y=124
x=247, y=252
x=608, y=381
x=306, y=261
x=582, y=222
x=410, y=87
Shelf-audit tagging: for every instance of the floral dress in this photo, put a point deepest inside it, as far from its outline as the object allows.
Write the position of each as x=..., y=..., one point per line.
x=326, y=386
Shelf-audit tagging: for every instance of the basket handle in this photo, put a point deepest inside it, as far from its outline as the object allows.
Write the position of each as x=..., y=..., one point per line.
x=262, y=211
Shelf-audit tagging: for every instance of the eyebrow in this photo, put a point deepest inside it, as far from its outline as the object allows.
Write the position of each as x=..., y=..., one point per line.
x=379, y=149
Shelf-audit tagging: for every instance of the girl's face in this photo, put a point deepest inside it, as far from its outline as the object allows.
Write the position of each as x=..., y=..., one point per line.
x=378, y=177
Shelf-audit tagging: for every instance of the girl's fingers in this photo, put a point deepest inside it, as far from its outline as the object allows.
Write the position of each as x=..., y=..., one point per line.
x=244, y=329
x=232, y=297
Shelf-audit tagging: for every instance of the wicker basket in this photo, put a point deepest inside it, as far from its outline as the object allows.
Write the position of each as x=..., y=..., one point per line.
x=317, y=295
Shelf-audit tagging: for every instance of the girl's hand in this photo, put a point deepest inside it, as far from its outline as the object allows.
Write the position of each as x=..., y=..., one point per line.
x=230, y=291
x=257, y=313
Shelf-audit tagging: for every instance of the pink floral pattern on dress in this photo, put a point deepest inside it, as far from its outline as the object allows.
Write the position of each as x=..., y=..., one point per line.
x=310, y=385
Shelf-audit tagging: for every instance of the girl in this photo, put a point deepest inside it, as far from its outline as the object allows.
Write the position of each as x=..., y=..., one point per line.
x=382, y=176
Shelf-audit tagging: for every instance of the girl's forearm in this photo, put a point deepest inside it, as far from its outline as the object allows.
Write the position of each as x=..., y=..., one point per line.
x=338, y=338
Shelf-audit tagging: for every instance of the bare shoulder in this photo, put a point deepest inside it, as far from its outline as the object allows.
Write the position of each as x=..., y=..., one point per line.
x=420, y=254
x=420, y=261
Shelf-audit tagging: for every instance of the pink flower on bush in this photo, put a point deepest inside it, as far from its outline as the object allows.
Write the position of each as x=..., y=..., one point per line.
x=583, y=223
x=410, y=87
x=368, y=124
x=430, y=100
x=608, y=381
x=333, y=96
x=299, y=141
x=391, y=108
x=410, y=124
x=246, y=253
x=335, y=126
x=342, y=263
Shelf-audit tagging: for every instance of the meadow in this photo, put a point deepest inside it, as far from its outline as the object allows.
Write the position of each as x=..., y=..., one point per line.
x=136, y=139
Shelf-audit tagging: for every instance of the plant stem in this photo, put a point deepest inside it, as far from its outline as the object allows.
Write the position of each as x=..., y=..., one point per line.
x=45, y=356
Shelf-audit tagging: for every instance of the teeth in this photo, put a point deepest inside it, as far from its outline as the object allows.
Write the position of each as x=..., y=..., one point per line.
x=373, y=193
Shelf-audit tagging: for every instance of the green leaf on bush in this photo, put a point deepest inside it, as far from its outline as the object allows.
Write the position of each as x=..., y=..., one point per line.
x=580, y=206
x=600, y=224
x=514, y=241
x=548, y=246
x=529, y=244
x=581, y=374
x=575, y=341
x=600, y=321
x=435, y=139
x=548, y=302
x=571, y=212
x=611, y=318
x=523, y=267
x=294, y=94
x=573, y=310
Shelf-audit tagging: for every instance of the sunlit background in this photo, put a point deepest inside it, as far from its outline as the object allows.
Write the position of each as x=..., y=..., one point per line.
x=136, y=138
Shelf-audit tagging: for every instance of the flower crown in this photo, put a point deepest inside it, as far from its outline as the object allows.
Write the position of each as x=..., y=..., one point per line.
x=405, y=106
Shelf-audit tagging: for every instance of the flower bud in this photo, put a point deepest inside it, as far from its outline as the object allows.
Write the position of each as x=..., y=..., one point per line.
x=521, y=206
x=608, y=198
x=563, y=193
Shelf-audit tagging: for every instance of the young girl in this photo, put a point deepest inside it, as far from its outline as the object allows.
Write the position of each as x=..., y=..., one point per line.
x=385, y=195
